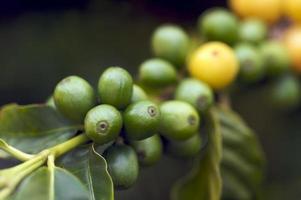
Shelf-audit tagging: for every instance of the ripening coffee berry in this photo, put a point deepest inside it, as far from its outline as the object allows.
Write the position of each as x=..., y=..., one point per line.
x=178, y=121
x=138, y=94
x=141, y=120
x=214, y=63
x=196, y=93
x=149, y=150
x=74, y=97
x=122, y=165
x=275, y=58
x=170, y=42
x=157, y=73
x=186, y=148
x=115, y=87
x=103, y=123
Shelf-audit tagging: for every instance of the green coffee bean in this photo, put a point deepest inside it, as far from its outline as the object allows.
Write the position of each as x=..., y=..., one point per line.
x=141, y=120
x=115, y=87
x=186, y=148
x=179, y=120
x=103, y=123
x=275, y=58
x=196, y=93
x=170, y=42
x=138, y=94
x=74, y=97
x=157, y=73
x=219, y=24
x=122, y=165
x=149, y=150
x=251, y=63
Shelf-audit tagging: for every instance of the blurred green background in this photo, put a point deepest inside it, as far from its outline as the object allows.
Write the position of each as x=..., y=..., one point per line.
x=43, y=41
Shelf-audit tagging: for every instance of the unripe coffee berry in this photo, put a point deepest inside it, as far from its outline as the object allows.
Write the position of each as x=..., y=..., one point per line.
x=138, y=94
x=286, y=93
x=157, y=73
x=122, y=165
x=251, y=63
x=252, y=31
x=219, y=24
x=141, y=120
x=149, y=150
x=178, y=121
x=275, y=58
x=74, y=97
x=115, y=87
x=196, y=93
x=103, y=123
x=186, y=148
x=170, y=42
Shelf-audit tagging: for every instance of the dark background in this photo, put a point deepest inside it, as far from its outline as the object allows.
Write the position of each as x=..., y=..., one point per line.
x=43, y=41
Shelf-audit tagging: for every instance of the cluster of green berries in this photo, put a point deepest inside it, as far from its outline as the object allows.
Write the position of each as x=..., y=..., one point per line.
x=122, y=114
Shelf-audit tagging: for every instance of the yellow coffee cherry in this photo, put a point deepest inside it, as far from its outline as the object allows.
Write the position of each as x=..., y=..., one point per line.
x=292, y=9
x=292, y=41
x=267, y=10
x=214, y=63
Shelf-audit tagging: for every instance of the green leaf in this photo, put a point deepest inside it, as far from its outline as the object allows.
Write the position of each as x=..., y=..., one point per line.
x=243, y=160
x=47, y=184
x=91, y=168
x=33, y=128
x=204, y=181
x=233, y=189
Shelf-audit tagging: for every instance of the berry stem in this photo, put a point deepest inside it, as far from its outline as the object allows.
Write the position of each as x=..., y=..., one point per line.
x=224, y=100
x=64, y=147
x=10, y=178
x=51, y=168
x=15, y=152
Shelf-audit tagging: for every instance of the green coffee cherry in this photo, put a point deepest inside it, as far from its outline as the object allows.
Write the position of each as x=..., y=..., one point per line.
x=138, y=94
x=141, y=120
x=157, y=73
x=219, y=24
x=122, y=165
x=251, y=63
x=275, y=58
x=74, y=97
x=196, y=93
x=286, y=92
x=149, y=150
x=103, y=123
x=252, y=31
x=115, y=87
x=170, y=42
x=186, y=148
x=179, y=120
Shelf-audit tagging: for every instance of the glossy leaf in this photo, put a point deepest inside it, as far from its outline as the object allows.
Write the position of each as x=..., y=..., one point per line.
x=47, y=184
x=91, y=168
x=204, y=181
x=243, y=159
x=33, y=128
